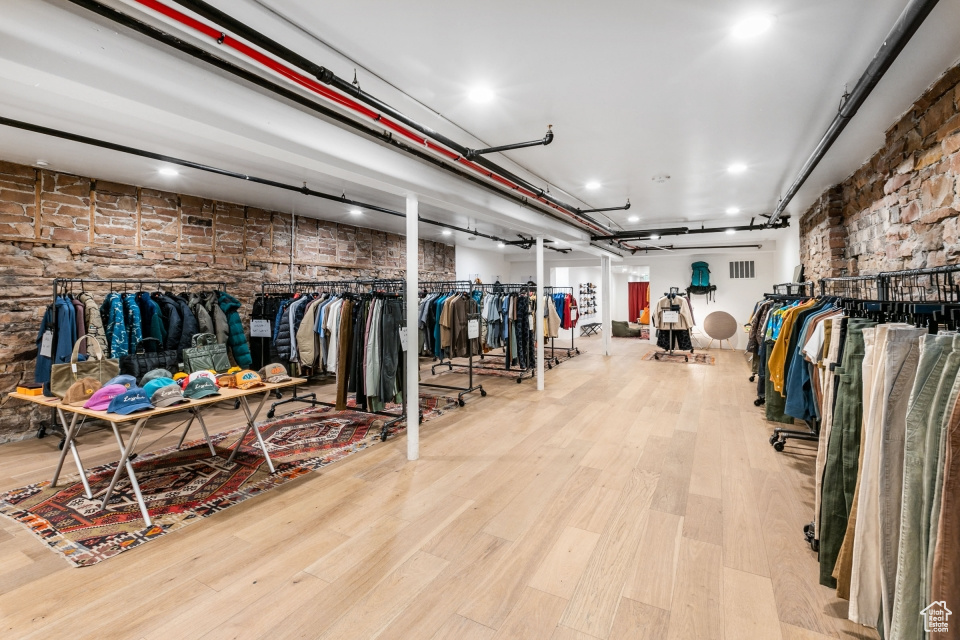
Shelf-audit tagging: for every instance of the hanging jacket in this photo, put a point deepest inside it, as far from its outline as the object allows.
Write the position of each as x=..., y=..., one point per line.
x=221, y=326
x=151, y=320
x=94, y=322
x=132, y=320
x=112, y=312
x=62, y=340
x=189, y=327
x=204, y=321
x=281, y=331
x=170, y=314
x=307, y=336
x=237, y=340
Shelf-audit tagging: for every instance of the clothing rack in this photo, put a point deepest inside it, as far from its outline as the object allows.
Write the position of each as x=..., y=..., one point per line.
x=530, y=370
x=573, y=348
x=672, y=294
x=64, y=286
x=461, y=286
x=355, y=287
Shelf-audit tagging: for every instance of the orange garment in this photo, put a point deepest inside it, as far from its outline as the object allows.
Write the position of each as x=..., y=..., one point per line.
x=645, y=317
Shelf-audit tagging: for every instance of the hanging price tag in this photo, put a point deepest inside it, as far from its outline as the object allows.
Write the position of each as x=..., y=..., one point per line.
x=260, y=329
x=46, y=345
x=671, y=317
x=473, y=329
x=403, y=338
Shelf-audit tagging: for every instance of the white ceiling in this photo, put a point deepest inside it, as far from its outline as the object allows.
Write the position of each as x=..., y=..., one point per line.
x=633, y=89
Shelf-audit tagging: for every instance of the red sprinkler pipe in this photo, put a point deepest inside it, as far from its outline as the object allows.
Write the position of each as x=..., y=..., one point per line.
x=345, y=101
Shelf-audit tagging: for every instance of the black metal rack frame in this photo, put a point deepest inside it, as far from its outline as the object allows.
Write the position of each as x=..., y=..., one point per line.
x=800, y=289
x=355, y=287
x=461, y=286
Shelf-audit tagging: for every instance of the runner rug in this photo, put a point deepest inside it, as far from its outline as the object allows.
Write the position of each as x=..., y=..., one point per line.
x=694, y=358
x=181, y=487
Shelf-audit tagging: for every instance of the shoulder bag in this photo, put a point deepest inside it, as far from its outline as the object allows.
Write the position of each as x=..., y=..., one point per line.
x=206, y=354
x=96, y=366
x=140, y=363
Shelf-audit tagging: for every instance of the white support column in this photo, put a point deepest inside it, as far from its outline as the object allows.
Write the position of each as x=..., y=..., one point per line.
x=606, y=294
x=538, y=324
x=413, y=363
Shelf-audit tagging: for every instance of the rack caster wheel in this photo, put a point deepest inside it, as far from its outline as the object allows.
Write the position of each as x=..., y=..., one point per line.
x=278, y=394
x=60, y=445
x=461, y=402
x=270, y=413
x=773, y=439
x=236, y=405
x=41, y=432
x=549, y=366
x=815, y=545
x=759, y=402
x=556, y=361
x=483, y=393
x=519, y=380
x=779, y=445
x=753, y=378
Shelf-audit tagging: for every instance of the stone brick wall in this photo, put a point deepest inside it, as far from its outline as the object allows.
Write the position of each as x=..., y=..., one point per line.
x=900, y=209
x=59, y=225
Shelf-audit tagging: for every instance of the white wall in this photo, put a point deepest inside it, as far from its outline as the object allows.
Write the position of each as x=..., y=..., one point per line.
x=788, y=253
x=488, y=264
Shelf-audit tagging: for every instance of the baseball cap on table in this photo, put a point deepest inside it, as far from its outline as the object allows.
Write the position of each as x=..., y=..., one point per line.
x=133, y=400
x=179, y=375
x=151, y=387
x=102, y=398
x=167, y=396
x=247, y=379
x=201, y=388
x=212, y=377
x=228, y=380
x=153, y=375
x=275, y=372
x=81, y=391
x=129, y=382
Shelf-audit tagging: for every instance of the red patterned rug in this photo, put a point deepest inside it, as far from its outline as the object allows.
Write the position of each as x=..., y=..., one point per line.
x=183, y=486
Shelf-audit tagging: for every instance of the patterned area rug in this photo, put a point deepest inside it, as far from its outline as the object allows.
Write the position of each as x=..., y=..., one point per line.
x=183, y=486
x=695, y=358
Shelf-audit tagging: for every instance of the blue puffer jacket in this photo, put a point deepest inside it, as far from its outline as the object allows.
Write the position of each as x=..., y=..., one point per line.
x=132, y=320
x=237, y=341
x=112, y=313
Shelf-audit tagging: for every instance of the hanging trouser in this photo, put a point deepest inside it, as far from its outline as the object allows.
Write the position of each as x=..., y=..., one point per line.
x=680, y=340
x=906, y=622
x=831, y=361
x=390, y=349
x=843, y=452
x=773, y=401
x=344, y=340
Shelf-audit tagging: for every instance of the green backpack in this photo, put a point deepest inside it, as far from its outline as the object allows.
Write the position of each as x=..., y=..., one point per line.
x=701, y=275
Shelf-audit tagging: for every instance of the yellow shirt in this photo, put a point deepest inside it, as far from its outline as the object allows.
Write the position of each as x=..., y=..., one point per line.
x=778, y=356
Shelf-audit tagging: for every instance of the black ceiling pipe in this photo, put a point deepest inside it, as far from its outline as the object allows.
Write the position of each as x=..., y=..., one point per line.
x=646, y=234
x=623, y=208
x=103, y=144
x=673, y=247
x=473, y=154
x=205, y=56
x=328, y=77
x=904, y=28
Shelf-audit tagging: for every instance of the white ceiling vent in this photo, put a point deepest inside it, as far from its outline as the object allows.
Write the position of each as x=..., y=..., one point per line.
x=742, y=269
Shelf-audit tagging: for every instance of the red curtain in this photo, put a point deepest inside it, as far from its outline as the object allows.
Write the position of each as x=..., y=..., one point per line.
x=637, y=300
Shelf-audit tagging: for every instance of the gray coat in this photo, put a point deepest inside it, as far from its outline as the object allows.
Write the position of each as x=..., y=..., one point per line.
x=221, y=328
x=93, y=320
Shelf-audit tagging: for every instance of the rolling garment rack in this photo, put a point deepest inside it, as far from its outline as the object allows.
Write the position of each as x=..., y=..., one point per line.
x=572, y=350
x=672, y=294
x=392, y=287
x=292, y=289
x=522, y=372
x=787, y=292
x=64, y=286
x=455, y=286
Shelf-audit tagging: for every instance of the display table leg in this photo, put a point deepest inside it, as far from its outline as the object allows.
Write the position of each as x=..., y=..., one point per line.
x=251, y=424
x=70, y=432
x=124, y=464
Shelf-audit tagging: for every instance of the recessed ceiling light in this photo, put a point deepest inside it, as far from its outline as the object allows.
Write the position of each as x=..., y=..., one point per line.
x=730, y=232
x=501, y=245
x=355, y=212
x=732, y=211
x=447, y=232
x=752, y=25
x=633, y=219
x=737, y=167
x=42, y=163
x=593, y=185
x=481, y=94
x=654, y=237
x=167, y=171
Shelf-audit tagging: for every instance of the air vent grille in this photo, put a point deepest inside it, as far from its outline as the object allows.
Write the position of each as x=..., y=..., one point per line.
x=742, y=269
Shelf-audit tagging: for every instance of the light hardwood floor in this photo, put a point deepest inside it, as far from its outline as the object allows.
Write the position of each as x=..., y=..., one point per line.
x=630, y=500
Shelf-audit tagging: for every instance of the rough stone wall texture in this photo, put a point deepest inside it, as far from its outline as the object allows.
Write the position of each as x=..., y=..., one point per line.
x=900, y=209
x=61, y=225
